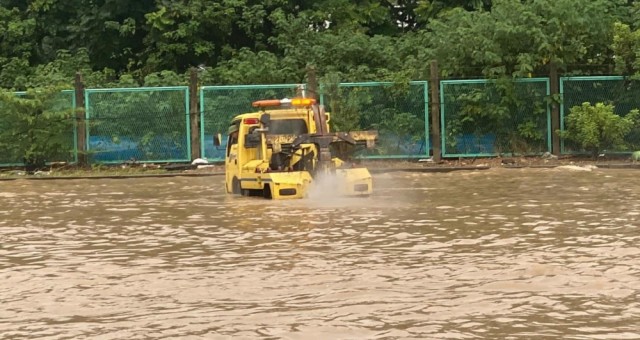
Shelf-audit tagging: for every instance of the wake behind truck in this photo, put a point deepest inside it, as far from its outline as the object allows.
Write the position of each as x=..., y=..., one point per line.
x=285, y=147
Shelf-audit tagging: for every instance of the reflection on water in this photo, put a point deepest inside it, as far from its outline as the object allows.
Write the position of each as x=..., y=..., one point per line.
x=489, y=254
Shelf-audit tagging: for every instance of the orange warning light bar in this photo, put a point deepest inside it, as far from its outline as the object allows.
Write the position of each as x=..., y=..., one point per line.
x=302, y=101
x=266, y=103
x=284, y=102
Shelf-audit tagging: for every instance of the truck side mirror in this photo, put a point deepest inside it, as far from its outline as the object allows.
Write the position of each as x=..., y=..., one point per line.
x=217, y=139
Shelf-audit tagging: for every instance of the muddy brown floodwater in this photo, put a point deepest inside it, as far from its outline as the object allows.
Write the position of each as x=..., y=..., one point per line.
x=494, y=254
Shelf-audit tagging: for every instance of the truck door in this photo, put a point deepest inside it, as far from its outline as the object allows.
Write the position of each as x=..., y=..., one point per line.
x=232, y=163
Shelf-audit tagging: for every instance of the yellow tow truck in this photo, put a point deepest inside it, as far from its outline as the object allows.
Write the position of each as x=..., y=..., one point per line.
x=279, y=151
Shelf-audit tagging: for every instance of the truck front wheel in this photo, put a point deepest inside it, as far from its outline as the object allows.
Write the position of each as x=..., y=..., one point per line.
x=235, y=186
x=266, y=192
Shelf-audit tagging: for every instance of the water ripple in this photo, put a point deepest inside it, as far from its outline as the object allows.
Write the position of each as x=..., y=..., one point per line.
x=488, y=254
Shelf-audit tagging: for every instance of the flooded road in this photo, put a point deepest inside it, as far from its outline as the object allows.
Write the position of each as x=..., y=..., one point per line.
x=495, y=254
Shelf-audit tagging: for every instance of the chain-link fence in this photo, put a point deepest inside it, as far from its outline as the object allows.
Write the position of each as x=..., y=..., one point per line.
x=219, y=104
x=138, y=124
x=397, y=111
x=488, y=118
x=622, y=93
x=478, y=118
x=22, y=131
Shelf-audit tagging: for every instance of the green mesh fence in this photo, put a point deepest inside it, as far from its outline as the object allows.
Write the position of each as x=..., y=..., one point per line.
x=19, y=131
x=623, y=94
x=397, y=111
x=219, y=104
x=488, y=118
x=138, y=124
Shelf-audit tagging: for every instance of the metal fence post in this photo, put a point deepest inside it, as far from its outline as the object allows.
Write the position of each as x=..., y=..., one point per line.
x=81, y=135
x=434, y=82
x=555, y=108
x=194, y=115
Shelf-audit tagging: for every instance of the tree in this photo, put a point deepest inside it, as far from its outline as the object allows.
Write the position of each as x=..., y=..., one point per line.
x=626, y=48
x=36, y=127
x=358, y=39
x=428, y=10
x=111, y=31
x=517, y=38
x=16, y=47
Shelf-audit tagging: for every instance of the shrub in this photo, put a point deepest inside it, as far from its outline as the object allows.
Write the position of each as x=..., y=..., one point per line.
x=596, y=127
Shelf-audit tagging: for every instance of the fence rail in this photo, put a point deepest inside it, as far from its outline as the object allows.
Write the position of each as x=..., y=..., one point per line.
x=477, y=117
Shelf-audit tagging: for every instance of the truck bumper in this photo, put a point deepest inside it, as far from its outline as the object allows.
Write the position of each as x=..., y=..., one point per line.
x=354, y=182
x=286, y=185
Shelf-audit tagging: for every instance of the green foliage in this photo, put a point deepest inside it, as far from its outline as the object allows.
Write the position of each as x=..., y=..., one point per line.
x=511, y=113
x=61, y=71
x=145, y=124
x=165, y=78
x=428, y=10
x=403, y=124
x=15, y=46
x=398, y=129
x=519, y=38
x=597, y=128
x=238, y=41
x=345, y=106
x=248, y=67
x=395, y=110
x=36, y=127
x=626, y=47
x=260, y=42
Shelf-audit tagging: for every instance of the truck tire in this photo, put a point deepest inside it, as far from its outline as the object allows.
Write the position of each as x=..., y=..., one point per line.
x=266, y=192
x=235, y=186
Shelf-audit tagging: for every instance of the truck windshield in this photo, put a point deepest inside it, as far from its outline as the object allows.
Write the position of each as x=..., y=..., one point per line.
x=288, y=127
